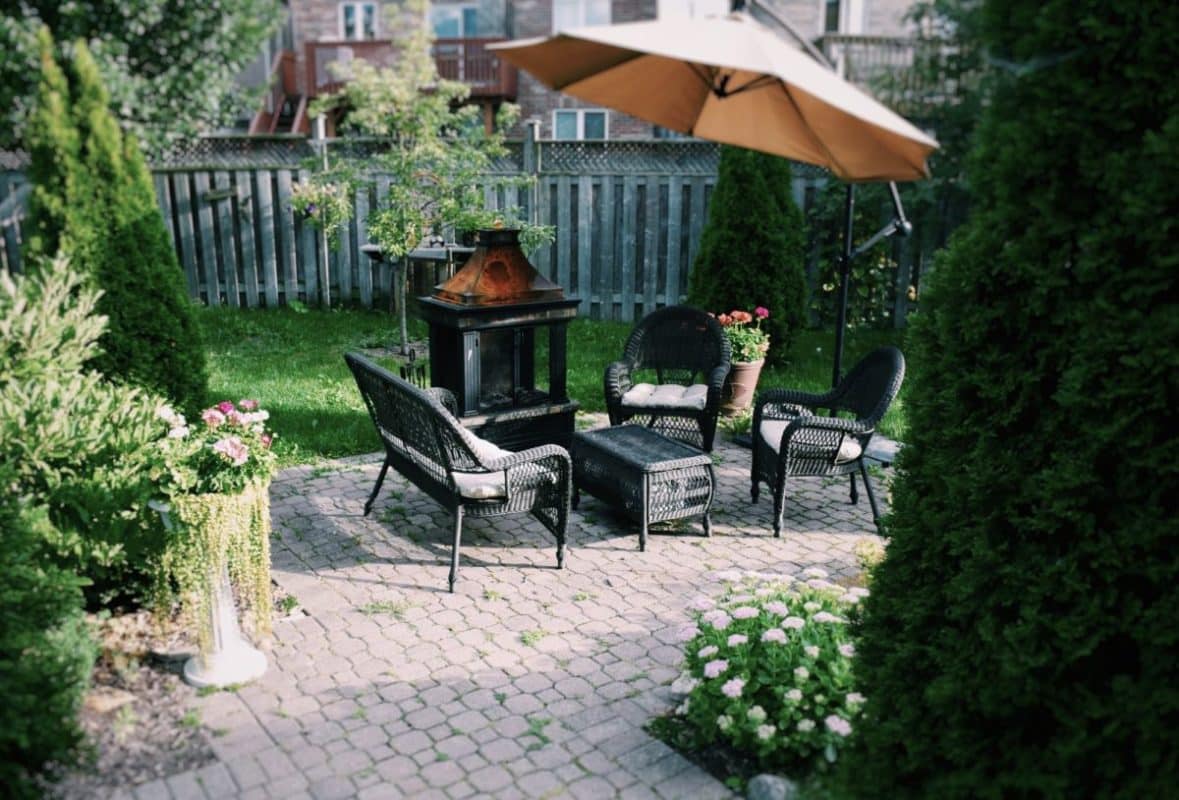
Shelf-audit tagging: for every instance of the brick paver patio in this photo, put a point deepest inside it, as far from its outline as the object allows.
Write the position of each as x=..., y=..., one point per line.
x=527, y=682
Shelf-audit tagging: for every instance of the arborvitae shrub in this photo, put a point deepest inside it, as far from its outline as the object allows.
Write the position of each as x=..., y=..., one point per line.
x=46, y=654
x=752, y=249
x=108, y=224
x=1022, y=638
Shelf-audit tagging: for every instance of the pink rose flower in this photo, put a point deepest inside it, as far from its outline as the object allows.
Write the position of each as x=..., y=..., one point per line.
x=225, y=406
x=761, y=312
x=212, y=417
x=233, y=450
x=247, y=405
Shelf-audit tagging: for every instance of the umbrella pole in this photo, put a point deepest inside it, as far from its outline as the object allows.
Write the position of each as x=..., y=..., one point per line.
x=844, y=279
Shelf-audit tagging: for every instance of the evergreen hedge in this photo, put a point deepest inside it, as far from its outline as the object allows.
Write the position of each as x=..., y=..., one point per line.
x=752, y=248
x=1022, y=638
x=93, y=198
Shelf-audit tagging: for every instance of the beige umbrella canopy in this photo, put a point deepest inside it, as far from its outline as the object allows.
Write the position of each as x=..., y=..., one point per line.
x=730, y=80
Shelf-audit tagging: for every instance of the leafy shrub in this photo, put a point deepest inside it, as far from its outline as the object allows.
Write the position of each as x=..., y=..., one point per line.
x=93, y=198
x=752, y=248
x=46, y=654
x=768, y=670
x=74, y=442
x=1020, y=640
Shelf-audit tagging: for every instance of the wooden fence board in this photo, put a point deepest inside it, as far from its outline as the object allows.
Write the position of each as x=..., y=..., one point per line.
x=564, y=234
x=696, y=219
x=630, y=197
x=675, y=227
x=164, y=201
x=266, y=238
x=208, y=239
x=651, y=220
x=385, y=269
x=308, y=252
x=363, y=263
x=187, y=231
x=585, y=229
x=228, y=238
x=244, y=182
x=286, y=237
x=606, y=262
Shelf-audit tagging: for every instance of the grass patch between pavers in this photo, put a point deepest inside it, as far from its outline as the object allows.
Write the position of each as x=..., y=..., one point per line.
x=293, y=364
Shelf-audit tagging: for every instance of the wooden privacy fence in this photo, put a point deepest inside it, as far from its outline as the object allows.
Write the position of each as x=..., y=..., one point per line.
x=628, y=218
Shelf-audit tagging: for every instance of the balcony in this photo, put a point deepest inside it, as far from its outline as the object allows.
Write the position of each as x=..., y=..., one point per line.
x=466, y=60
x=908, y=74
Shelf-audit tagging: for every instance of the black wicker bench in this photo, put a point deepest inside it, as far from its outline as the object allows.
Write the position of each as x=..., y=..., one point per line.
x=648, y=476
x=427, y=444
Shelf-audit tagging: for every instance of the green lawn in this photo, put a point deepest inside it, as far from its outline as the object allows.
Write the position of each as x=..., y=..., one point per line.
x=292, y=362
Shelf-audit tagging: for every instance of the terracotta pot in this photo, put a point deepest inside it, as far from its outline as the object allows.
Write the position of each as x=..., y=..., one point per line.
x=742, y=384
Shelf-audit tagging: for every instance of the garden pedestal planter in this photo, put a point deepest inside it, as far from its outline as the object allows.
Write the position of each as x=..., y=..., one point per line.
x=222, y=537
x=742, y=384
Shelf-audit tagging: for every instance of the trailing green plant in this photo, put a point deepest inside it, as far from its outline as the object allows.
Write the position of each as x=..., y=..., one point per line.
x=46, y=653
x=437, y=153
x=1020, y=638
x=753, y=245
x=94, y=201
x=77, y=444
x=327, y=204
x=767, y=670
x=216, y=476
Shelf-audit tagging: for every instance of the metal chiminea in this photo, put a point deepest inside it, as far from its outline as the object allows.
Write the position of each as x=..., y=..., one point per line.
x=483, y=345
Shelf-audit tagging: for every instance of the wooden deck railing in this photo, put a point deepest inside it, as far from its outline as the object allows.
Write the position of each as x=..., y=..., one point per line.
x=466, y=60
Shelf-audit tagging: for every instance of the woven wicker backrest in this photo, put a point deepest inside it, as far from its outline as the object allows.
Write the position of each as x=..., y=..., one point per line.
x=678, y=341
x=872, y=384
x=411, y=420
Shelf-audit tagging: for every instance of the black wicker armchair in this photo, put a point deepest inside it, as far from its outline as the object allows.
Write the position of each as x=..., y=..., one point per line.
x=688, y=355
x=790, y=439
x=465, y=474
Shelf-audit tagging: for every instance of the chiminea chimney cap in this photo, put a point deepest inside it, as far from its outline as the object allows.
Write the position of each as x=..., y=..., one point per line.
x=497, y=273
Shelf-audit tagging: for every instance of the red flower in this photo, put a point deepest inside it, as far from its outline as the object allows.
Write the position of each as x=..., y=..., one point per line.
x=761, y=312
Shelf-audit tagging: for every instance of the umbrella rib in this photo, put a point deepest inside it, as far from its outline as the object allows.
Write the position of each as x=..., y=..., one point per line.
x=817, y=140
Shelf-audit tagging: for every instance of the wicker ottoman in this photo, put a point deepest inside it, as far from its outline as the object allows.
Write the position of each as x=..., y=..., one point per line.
x=650, y=477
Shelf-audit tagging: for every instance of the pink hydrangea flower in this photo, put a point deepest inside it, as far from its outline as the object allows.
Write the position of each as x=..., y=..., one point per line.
x=761, y=312
x=715, y=668
x=708, y=652
x=247, y=405
x=212, y=417
x=745, y=612
x=733, y=688
x=266, y=440
x=838, y=725
x=738, y=639
x=847, y=650
x=233, y=450
x=687, y=633
x=794, y=623
x=826, y=616
x=718, y=619
x=225, y=406
x=235, y=417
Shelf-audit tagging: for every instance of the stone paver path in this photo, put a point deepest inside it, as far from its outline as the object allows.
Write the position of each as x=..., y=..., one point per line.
x=528, y=682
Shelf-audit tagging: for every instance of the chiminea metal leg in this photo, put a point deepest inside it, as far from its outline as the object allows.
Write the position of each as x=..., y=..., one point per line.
x=454, y=553
x=376, y=489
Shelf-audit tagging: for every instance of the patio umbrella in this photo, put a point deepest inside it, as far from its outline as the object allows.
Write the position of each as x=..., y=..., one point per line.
x=731, y=80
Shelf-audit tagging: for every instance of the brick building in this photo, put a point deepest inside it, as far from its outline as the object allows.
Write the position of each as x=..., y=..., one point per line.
x=319, y=33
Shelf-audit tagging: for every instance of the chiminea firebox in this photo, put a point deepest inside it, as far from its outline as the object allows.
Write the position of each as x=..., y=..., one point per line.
x=484, y=323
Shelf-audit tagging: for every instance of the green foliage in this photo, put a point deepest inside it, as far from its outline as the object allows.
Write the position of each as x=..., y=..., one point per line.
x=73, y=441
x=1020, y=639
x=108, y=224
x=170, y=66
x=751, y=251
x=873, y=274
x=768, y=671
x=46, y=653
x=439, y=155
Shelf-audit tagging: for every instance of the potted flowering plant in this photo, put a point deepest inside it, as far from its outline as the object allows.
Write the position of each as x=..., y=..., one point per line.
x=216, y=475
x=768, y=670
x=750, y=344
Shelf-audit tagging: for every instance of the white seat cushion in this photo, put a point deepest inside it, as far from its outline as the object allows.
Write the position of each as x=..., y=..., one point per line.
x=667, y=395
x=772, y=430
x=483, y=485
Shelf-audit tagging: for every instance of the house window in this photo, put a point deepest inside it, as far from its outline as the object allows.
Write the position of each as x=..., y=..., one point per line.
x=358, y=21
x=575, y=13
x=831, y=16
x=455, y=21
x=579, y=123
